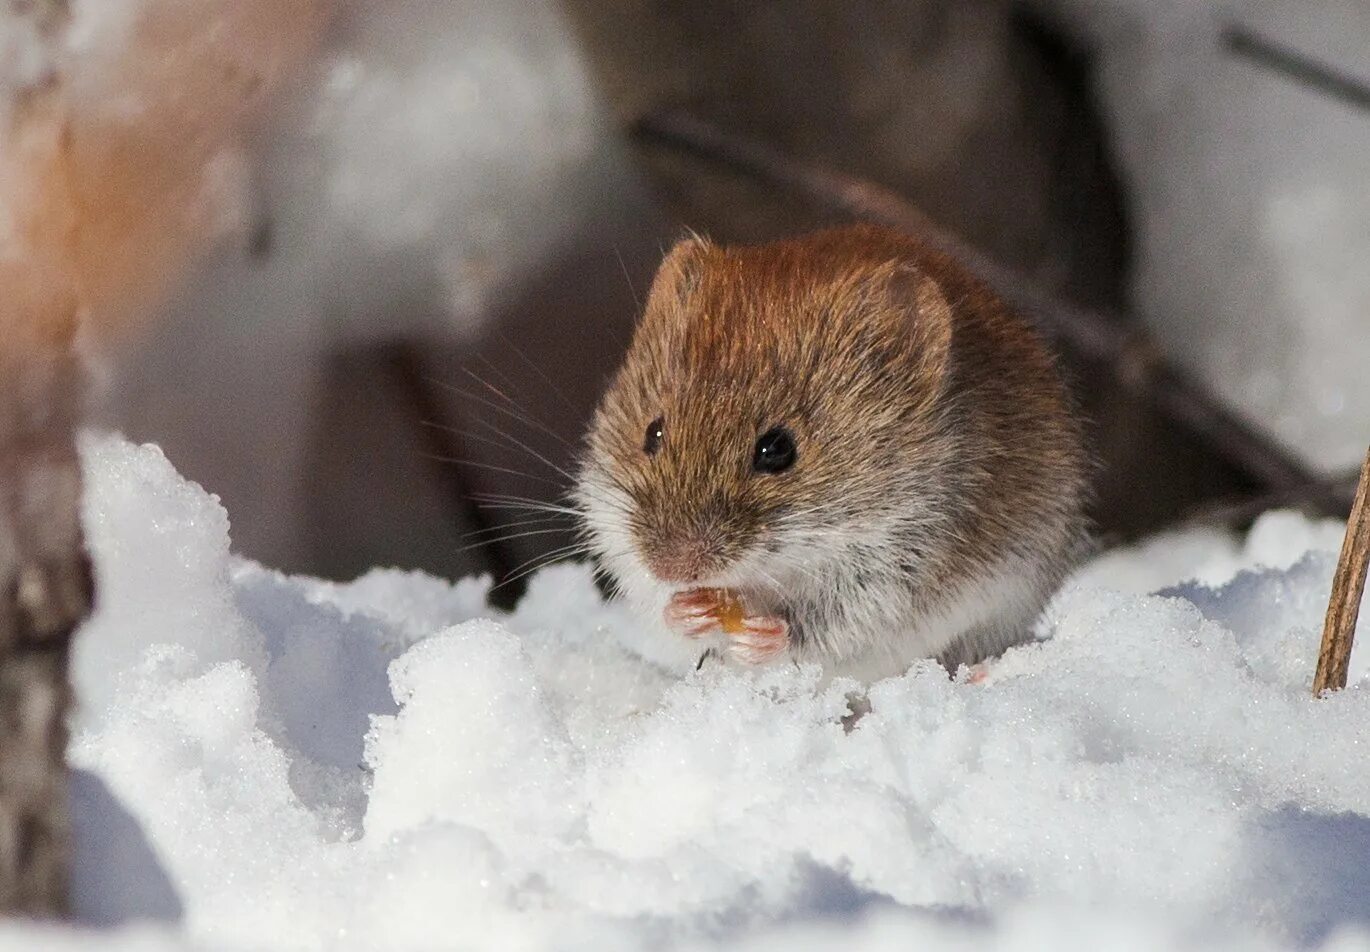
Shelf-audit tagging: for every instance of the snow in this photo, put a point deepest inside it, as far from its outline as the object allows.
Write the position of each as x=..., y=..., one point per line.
x=1248, y=194
x=275, y=762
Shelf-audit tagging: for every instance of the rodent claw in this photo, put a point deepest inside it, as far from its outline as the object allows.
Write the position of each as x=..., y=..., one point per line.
x=765, y=638
x=694, y=613
x=699, y=629
x=696, y=599
x=691, y=613
x=767, y=627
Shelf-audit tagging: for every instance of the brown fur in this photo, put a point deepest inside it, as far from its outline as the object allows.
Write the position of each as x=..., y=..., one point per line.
x=919, y=403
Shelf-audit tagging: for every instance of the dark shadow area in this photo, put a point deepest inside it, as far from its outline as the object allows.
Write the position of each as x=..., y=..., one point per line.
x=1322, y=863
x=327, y=677
x=116, y=876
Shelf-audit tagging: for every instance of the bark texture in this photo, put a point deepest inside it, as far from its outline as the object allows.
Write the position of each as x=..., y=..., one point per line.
x=45, y=592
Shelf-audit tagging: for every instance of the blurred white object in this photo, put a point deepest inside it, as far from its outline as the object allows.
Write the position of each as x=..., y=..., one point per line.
x=1251, y=194
x=445, y=143
x=434, y=160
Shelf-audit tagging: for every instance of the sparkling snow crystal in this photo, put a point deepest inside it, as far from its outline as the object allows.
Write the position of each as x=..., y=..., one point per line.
x=286, y=763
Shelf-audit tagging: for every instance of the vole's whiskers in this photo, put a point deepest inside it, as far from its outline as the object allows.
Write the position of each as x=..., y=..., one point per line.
x=509, y=408
x=542, y=560
x=508, y=381
x=507, y=501
x=509, y=537
x=533, y=366
x=504, y=501
x=540, y=521
x=511, y=440
x=623, y=266
x=489, y=392
x=589, y=489
x=489, y=467
x=770, y=579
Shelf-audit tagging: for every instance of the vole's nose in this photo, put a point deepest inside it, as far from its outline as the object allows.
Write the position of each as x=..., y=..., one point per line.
x=678, y=564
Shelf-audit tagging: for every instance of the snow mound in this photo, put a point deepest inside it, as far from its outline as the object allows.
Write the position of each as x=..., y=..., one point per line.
x=273, y=762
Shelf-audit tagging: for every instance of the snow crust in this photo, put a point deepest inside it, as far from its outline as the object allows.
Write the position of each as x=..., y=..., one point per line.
x=276, y=762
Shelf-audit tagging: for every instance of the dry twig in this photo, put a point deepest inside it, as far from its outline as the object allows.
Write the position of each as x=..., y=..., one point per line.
x=1348, y=585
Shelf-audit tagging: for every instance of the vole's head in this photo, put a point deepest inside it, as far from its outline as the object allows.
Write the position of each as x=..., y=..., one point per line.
x=777, y=407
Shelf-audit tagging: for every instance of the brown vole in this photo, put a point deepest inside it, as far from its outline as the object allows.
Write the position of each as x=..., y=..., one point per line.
x=850, y=435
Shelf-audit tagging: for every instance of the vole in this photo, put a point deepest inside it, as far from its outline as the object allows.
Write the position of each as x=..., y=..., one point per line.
x=846, y=432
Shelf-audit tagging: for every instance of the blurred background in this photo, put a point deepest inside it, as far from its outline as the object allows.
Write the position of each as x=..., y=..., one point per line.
x=454, y=208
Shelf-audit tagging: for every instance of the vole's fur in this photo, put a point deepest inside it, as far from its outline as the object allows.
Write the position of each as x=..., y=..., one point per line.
x=937, y=495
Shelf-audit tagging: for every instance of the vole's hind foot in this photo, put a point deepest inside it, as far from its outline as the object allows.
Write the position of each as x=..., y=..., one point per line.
x=763, y=638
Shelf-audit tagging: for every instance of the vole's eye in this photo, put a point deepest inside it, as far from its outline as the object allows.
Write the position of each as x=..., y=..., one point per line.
x=655, y=431
x=775, y=451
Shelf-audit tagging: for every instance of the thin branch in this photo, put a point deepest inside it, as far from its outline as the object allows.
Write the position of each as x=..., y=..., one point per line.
x=1298, y=66
x=1240, y=510
x=1348, y=586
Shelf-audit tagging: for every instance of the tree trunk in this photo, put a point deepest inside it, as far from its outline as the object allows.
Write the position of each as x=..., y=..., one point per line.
x=45, y=591
x=104, y=205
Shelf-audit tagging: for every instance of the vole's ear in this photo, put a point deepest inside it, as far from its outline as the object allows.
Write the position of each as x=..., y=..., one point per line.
x=678, y=275
x=923, y=315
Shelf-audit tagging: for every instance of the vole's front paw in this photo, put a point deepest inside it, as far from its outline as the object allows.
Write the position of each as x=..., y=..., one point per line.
x=695, y=612
x=751, y=639
x=763, y=638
